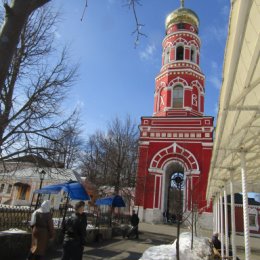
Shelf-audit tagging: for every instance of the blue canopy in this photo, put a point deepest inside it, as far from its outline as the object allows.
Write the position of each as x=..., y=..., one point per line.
x=114, y=201
x=74, y=189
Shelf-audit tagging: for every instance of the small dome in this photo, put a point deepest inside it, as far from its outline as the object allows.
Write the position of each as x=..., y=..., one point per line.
x=182, y=15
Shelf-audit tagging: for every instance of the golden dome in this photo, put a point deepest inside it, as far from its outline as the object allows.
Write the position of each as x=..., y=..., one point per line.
x=182, y=15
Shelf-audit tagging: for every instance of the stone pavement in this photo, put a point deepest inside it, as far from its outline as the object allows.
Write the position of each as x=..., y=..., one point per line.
x=150, y=235
x=119, y=248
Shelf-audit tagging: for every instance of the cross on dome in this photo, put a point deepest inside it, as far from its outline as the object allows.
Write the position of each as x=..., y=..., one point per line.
x=182, y=3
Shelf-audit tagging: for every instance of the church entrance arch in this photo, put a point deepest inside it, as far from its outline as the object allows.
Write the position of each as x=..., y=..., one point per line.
x=174, y=191
x=168, y=162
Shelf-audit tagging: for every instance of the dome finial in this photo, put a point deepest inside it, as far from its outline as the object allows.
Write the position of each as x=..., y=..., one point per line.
x=182, y=3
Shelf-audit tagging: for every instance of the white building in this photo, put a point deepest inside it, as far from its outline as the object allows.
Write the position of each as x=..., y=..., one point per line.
x=17, y=186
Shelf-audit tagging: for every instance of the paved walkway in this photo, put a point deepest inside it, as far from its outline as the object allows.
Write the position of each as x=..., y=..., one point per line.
x=119, y=248
x=151, y=234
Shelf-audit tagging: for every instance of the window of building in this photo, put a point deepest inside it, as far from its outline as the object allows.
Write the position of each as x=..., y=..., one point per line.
x=22, y=193
x=193, y=54
x=180, y=26
x=167, y=55
x=180, y=53
x=177, y=97
x=9, y=189
x=252, y=220
x=2, y=188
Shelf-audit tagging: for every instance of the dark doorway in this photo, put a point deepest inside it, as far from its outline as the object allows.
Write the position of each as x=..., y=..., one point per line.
x=175, y=196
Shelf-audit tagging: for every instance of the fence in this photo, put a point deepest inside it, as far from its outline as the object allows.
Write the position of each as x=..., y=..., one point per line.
x=18, y=217
x=14, y=217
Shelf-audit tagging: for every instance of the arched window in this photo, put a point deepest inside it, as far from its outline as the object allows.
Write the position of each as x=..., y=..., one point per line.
x=177, y=97
x=167, y=55
x=193, y=54
x=179, y=53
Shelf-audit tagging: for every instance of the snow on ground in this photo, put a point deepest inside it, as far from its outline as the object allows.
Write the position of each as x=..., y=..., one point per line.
x=201, y=249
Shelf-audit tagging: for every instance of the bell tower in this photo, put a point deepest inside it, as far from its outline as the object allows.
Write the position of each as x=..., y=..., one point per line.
x=177, y=137
x=179, y=89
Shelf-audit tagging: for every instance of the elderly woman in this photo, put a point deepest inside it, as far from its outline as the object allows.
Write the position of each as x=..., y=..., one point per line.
x=42, y=231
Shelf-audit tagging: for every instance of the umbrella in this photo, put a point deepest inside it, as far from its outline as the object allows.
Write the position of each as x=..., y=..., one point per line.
x=74, y=189
x=114, y=201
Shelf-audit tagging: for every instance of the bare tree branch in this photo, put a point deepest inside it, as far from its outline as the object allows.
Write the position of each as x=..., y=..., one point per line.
x=137, y=31
x=84, y=10
x=32, y=95
x=111, y=157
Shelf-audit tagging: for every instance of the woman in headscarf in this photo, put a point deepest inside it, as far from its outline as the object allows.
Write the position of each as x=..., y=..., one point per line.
x=42, y=231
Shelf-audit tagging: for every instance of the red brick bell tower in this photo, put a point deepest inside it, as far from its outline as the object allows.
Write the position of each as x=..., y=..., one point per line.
x=178, y=137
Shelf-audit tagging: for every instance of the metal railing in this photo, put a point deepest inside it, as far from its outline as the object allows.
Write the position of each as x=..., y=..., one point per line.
x=14, y=217
x=18, y=217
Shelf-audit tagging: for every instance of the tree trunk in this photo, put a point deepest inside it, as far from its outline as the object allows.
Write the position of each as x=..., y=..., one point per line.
x=15, y=17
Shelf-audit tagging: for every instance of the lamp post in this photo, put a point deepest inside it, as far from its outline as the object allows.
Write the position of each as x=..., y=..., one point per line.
x=177, y=179
x=42, y=175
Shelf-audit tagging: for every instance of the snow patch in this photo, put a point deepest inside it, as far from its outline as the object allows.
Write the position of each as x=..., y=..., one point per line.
x=202, y=249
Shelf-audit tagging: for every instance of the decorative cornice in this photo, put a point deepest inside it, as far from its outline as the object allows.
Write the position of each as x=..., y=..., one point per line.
x=186, y=33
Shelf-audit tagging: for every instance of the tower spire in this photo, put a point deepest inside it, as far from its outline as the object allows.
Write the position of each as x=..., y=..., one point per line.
x=182, y=3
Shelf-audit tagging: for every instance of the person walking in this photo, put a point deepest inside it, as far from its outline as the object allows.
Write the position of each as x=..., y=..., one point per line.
x=134, y=222
x=74, y=230
x=42, y=231
x=166, y=216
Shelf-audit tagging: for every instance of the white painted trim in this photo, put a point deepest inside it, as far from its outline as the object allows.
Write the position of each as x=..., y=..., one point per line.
x=174, y=146
x=168, y=71
x=207, y=144
x=144, y=142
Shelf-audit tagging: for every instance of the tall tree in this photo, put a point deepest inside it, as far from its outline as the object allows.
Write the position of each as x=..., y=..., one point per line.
x=32, y=92
x=16, y=16
x=111, y=157
x=66, y=144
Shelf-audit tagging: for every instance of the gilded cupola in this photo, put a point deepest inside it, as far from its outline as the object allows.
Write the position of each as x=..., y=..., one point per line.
x=182, y=15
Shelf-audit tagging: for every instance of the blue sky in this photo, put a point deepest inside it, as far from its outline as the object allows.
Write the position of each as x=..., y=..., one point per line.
x=115, y=78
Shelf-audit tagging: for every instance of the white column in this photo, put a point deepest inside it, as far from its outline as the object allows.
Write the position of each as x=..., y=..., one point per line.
x=221, y=225
x=218, y=219
x=233, y=219
x=214, y=213
x=226, y=222
x=245, y=206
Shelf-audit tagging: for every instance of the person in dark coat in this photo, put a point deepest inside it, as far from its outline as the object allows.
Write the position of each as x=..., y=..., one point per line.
x=217, y=244
x=42, y=231
x=134, y=222
x=74, y=230
x=215, y=241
